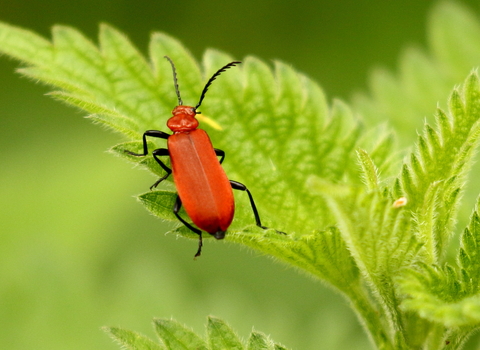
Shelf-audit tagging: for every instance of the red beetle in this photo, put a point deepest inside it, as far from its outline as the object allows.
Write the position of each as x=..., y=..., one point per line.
x=203, y=187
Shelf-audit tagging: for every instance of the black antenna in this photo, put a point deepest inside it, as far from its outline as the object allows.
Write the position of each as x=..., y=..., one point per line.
x=223, y=69
x=175, y=81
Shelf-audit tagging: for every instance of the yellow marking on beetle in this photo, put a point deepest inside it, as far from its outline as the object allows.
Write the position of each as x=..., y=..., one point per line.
x=209, y=121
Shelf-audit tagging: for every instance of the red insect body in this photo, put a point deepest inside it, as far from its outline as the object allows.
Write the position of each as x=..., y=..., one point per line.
x=201, y=182
x=203, y=187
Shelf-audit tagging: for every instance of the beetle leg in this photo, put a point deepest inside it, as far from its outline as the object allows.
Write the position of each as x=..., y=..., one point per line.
x=152, y=133
x=220, y=153
x=161, y=152
x=239, y=186
x=176, y=209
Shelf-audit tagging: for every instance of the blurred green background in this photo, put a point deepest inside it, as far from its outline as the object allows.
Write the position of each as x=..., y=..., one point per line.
x=77, y=252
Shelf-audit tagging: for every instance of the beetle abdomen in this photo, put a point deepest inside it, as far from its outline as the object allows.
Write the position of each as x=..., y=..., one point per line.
x=201, y=182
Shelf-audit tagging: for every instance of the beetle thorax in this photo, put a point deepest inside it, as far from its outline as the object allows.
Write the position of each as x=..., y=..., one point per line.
x=183, y=119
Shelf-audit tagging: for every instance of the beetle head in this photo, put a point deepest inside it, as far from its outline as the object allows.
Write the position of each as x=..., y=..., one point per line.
x=183, y=119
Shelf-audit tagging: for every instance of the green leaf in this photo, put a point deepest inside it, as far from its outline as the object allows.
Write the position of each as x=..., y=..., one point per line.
x=469, y=253
x=369, y=170
x=25, y=45
x=268, y=118
x=221, y=336
x=385, y=239
x=280, y=347
x=446, y=295
x=437, y=294
x=175, y=336
x=433, y=179
x=131, y=340
x=259, y=341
